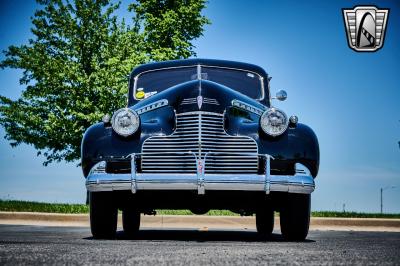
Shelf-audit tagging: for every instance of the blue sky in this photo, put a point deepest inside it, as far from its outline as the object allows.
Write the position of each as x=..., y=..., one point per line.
x=350, y=99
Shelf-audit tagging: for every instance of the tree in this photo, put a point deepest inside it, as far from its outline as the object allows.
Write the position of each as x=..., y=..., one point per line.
x=169, y=26
x=76, y=67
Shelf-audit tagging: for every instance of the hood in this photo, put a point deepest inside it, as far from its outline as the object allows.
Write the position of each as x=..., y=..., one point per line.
x=199, y=95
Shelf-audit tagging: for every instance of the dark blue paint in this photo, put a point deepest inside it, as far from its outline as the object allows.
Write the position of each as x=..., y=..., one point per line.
x=298, y=144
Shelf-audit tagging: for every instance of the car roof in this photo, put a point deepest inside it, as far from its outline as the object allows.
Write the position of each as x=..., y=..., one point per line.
x=199, y=61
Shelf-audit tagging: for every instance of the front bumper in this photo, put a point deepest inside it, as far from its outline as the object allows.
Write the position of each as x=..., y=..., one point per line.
x=302, y=182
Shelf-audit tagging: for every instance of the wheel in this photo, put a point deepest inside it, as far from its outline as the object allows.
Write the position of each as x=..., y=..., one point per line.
x=295, y=216
x=103, y=215
x=130, y=222
x=265, y=222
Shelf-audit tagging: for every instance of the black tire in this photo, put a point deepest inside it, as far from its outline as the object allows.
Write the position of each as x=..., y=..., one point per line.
x=295, y=217
x=103, y=215
x=130, y=222
x=265, y=222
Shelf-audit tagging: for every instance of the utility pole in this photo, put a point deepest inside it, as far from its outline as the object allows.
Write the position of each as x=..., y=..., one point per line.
x=382, y=189
x=381, y=201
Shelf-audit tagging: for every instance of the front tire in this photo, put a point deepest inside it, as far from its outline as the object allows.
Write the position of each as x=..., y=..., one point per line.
x=103, y=215
x=295, y=217
x=130, y=222
x=265, y=222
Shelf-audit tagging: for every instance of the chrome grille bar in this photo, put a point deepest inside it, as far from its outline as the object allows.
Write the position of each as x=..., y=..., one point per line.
x=203, y=134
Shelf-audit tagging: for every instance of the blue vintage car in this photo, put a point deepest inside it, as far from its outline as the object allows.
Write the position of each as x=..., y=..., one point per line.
x=200, y=134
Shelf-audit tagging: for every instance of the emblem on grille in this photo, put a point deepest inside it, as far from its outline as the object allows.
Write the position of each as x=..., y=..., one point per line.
x=365, y=27
x=199, y=101
x=200, y=167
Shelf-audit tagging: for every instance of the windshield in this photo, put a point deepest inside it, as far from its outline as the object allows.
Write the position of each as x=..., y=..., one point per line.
x=156, y=81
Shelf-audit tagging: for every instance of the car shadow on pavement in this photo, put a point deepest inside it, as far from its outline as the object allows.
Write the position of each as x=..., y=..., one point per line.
x=201, y=236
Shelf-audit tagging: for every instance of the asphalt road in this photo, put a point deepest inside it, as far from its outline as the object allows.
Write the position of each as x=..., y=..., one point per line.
x=74, y=245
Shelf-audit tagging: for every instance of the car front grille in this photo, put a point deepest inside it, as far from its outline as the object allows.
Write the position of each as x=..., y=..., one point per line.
x=200, y=133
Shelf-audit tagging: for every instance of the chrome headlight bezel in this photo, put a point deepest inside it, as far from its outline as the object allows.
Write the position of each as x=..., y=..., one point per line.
x=266, y=125
x=133, y=119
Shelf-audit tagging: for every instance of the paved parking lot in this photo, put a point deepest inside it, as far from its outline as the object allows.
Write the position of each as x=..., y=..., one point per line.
x=74, y=245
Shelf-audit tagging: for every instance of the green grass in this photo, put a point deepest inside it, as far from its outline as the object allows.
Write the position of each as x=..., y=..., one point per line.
x=29, y=206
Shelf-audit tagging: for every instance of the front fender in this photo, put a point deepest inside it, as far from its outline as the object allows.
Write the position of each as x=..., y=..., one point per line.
x=101, y=143
x=298, y=144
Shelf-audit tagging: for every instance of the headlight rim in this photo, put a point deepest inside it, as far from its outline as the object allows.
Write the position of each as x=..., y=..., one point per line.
x=133, y=112
x=286, y=125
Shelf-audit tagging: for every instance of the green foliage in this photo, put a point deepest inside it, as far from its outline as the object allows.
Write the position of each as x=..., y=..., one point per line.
x=168, y=26
x=76, y=67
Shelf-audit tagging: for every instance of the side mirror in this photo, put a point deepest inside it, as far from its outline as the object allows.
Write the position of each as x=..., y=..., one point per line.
x=281, y=95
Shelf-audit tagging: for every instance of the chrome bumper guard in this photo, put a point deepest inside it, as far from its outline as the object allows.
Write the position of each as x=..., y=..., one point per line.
x=98, y=180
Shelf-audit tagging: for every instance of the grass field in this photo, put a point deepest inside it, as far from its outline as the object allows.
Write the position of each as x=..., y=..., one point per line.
x=29, y=206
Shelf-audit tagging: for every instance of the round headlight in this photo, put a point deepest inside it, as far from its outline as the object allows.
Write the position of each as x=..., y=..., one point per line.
x=274, y=122
x=125, y=122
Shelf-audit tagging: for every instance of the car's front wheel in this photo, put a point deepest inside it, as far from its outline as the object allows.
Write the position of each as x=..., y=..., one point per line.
x=265, y=222
x=130, y=222
x=295, y=216
x=103, y=215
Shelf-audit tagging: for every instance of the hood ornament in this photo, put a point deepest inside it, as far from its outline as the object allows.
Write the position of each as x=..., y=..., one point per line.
x=199, y=101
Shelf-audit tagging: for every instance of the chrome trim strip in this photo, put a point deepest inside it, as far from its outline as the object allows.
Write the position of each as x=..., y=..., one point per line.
x=247, y=107
x=133, y=174
x=302, y=182
x=200, y=176
x=152, y=106
x=198, y=69
x=202, y=112
x=267, y=174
